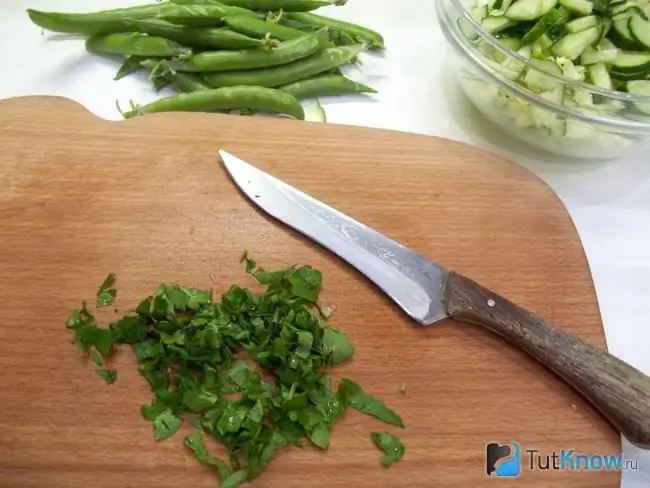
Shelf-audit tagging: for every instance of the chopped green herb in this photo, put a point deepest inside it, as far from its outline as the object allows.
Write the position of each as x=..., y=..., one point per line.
x=336, y=345
x=165, y=425
x=355, y=397
x=195, y=442
x=245, y=370
x=391, y=445
x=106, y=295
x=108, y=375
x=250, y=263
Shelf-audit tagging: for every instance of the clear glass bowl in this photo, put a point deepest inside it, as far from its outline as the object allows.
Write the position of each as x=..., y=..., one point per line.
x=604, y=124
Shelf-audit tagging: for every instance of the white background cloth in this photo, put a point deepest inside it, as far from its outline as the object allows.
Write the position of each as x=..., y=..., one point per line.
x=608, y=201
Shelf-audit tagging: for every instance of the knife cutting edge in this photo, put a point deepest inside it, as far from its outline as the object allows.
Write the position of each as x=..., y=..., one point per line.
x=428, y=293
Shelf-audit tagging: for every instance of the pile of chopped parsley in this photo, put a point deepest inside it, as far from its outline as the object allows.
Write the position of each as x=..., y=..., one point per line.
x=193, y=351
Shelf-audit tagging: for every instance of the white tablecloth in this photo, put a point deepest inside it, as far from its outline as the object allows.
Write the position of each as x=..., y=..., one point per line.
x=609, y=201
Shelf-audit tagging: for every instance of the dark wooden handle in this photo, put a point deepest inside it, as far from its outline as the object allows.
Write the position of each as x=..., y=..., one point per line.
x=620, y=392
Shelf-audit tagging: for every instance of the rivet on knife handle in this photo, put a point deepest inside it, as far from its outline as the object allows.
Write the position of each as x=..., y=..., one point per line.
x=619, y=391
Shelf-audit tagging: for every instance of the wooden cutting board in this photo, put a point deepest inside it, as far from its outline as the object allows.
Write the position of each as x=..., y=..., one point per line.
x=146, y=199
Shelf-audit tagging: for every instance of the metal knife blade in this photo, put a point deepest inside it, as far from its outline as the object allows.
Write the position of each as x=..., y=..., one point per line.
x=412, y=281
x=428, y=292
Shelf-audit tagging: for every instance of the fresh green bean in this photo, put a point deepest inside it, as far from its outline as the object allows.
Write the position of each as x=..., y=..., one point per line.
x=182, y=82
x=357, y=32
x=284, y=5
x=325, y=86
x=131, y=65
x=260, y=28
x=234, y=9
x=134, y=44
x=285, y=53
x=254, y=98
x=283, y=75
x=197, y=15
x=205, y=37
x=91, y=23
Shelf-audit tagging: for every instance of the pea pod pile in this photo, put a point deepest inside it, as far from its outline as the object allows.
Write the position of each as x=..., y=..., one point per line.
x=226, y=55
x=204, y=361
x=604, y=43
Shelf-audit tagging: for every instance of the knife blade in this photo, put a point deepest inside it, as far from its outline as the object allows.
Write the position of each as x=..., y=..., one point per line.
x=428, y=293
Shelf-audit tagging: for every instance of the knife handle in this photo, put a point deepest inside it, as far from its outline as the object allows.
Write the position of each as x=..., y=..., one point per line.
x=617, y=390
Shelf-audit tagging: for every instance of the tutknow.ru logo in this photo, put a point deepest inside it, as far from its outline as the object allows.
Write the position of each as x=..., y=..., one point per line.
x=508, y=460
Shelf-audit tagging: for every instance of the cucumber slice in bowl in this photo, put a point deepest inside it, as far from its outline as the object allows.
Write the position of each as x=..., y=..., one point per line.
x=496, y=24
x=529, y=9
x=573, y=45
x=580, y=7
x=555, y=17
x=640, y=30
x=640, y=88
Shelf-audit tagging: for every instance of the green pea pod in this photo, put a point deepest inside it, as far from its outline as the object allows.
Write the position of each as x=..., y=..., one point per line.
x=134, y=44
x=91, y=23
x=321, y=62
x=205, y=37
x=131, y=65
x=325, y=86
x=254, y=98
x=284, y=5
x=260, y=28
x=197, y=15
x=181, y=82
x=356, y=32
x=233, y=9
x=285, y=53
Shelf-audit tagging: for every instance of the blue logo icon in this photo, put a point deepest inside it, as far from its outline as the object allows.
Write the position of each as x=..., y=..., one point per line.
x=503, y=460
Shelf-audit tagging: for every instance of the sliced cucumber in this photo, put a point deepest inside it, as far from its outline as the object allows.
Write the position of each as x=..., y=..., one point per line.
x=555, y=17
x=632, y=61
x=573, y=45
x=640, y=88
x=541, y=49
x=537, y=80
x=622, y=36
x=600, y=76
x=581, y=7
x=479, y=13
x=640, y=30
x=625, y=11
x=582, y=23
x=494, y=24
x=511, y=43
x=593, y=56
x=529, y=9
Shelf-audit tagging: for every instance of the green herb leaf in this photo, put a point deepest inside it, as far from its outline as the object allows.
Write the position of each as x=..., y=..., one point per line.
x=165, y=425
x=320, y=436
x=106, y=295
x=196, y=444
x=150, y=412
x=306, y=283
x=108, y=375
x=336, y=345
x=391, y=445
x=235, y=479
x=353, y=396
x=250, y=263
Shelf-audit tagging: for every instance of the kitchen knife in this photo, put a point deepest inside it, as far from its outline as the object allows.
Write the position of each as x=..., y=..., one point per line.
x=429, y=293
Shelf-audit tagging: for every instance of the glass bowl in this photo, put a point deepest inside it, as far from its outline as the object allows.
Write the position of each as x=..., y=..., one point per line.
x=591, y=123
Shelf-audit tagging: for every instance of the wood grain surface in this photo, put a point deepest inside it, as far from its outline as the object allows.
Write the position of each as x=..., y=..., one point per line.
x=146, y=199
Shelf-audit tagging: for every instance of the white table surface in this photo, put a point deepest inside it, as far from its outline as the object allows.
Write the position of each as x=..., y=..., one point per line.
x=608, y=201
